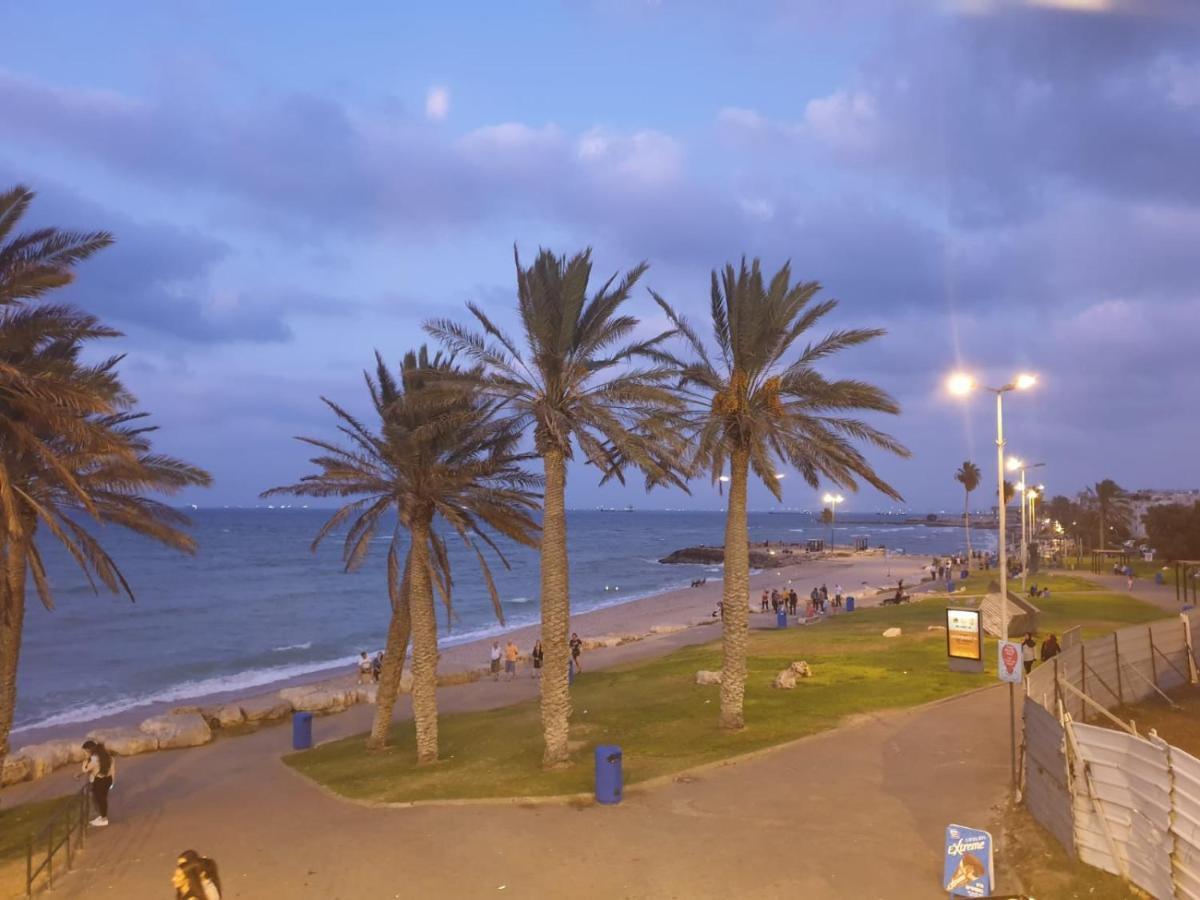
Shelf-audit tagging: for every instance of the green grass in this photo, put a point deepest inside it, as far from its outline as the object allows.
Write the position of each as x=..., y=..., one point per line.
x=978, y=582
x=18, y=822
x=665, y=723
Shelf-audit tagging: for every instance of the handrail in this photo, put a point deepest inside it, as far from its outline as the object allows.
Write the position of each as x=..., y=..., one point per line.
x=72, y=820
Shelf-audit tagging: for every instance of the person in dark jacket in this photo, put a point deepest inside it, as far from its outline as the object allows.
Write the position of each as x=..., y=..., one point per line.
x=1050, y=648
x=195, y=877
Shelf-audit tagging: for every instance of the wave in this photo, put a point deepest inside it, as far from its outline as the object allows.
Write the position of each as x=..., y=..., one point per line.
x=305, y=646
x=518, y=600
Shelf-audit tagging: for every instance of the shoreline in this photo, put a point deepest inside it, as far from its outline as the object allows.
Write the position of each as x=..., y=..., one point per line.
x=683, y=606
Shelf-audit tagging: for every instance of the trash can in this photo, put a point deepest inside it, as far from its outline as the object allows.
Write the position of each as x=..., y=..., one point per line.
x=781, y=618
x=964, y=574
x=301, y=730
x=608, y=774
x=1158, y=578
x=849, y=604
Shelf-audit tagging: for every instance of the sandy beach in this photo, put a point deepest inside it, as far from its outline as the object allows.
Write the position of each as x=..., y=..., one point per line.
x=860, y=576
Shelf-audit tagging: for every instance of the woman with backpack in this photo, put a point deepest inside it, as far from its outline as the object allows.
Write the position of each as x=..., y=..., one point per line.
x=100, y=769
x=195, y=877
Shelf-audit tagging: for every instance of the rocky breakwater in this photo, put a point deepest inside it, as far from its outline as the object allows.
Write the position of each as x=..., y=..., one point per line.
x=760, y=557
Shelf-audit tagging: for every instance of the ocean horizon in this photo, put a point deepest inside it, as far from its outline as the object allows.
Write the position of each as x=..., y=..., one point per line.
x=254, y=606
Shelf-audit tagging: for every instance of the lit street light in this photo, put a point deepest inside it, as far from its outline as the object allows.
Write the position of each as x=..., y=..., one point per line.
x=1028, y=494
x=832, y=500
x=961, y=384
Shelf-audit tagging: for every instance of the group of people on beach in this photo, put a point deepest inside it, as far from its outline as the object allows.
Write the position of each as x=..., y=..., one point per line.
x=510, y=655
x=369, y=667
x=819, y=601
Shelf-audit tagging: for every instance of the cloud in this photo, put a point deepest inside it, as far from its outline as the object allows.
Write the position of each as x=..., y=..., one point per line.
x=437, y=103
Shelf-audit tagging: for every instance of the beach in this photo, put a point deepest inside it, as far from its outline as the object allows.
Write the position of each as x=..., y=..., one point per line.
x=861, y=576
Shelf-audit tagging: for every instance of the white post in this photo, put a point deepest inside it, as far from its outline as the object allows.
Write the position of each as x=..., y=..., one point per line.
x=1001, y=514
x=1024, y=527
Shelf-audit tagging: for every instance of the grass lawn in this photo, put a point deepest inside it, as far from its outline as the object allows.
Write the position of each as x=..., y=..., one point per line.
x=978, y=582
x=16, y=824
x=665, y=723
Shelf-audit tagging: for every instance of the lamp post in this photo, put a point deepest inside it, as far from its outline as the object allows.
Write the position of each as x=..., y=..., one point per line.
x=1013, y=465
x=832, y=500
x=962, y=384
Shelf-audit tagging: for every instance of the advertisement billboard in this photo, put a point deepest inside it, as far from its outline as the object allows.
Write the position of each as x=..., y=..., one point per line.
x=969, y=869
x=964, y=634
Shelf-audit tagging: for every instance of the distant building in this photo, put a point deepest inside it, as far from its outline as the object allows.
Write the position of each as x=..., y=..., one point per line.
x=1140, y=503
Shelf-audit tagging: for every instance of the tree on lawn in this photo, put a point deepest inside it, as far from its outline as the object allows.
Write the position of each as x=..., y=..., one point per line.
x=968, y=476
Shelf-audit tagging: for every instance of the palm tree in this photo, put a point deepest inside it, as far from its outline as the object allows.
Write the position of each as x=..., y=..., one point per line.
x=1111, y=503
x=968, y=476
x=72, y=447
x=436, y=452
x=750, y=406
x=576, y=383
x=827, y=519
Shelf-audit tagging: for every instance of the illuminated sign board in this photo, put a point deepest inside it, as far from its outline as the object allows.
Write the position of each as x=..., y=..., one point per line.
x=964, y=634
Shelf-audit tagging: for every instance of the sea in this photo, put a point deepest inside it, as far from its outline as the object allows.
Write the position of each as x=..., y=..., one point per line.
x=257, y=605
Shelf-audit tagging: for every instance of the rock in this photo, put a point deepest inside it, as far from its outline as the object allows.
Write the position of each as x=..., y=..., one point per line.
x=467, y=677
x=125, y=741
x=703, y=677
x=604, y=640
x=45, y=758
x=315, y=698
x=15, y=769
x=694, y=555
x=892, y=632
x=667, y=629
x=262, y=709
x=936, y=628
x=367, y=693
x=406, y=681
x=174, y=730
x=707, y=620
x=785, y=680
x=210, y=713
x=800, y=669
x=230, y=715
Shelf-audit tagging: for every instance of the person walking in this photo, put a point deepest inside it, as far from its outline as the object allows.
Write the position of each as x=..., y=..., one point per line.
x=576, y=650
x=1029, y=652
x=1050, y=648
x=495, y=661
x=510, y=660
x=765, y=603
x=195, y=877
x=537, y=655
x=101, y=770
x=1129, y=578
x=364, y=667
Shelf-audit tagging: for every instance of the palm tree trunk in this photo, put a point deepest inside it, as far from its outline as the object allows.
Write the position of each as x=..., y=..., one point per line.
x=1102, y=527
x=735, y=615
x=967, y=523
x=12, y=619
x=425, y=651
x=389, y=677
x=556, y=614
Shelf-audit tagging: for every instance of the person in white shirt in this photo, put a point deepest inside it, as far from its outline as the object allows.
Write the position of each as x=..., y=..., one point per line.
x=1029, y=652
x=496, y=660
x=100, y=769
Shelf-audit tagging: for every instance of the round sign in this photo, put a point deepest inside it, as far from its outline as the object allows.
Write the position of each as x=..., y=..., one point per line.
x=1010, y=656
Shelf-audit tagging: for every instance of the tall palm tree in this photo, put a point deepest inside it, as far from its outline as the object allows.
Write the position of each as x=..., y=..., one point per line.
x=968, y=476
x=436, y=452
x=751, y=406
x=72, y=447
x=576, y=383
x=1111, y=504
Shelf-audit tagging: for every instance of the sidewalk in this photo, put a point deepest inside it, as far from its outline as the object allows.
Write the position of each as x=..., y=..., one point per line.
x=857, y=812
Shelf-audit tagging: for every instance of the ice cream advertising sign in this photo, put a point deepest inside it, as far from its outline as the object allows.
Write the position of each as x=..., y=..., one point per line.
x=969, y=869
x=1010, y=662
x=964, y=637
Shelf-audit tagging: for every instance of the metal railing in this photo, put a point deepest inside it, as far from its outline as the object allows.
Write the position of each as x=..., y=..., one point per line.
x=64, y=831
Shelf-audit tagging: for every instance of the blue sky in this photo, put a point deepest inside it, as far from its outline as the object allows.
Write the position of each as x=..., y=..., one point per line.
x=1008, y=184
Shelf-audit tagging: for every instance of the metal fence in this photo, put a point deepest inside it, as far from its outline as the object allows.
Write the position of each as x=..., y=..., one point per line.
x=1119, y=801
x=64, y=832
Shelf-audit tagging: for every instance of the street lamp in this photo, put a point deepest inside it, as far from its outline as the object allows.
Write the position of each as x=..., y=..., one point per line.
x=1014, y=465
x=832, y=500
x=961, y=384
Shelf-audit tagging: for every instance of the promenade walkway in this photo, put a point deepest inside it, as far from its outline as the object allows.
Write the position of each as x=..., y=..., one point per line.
x=857, y=812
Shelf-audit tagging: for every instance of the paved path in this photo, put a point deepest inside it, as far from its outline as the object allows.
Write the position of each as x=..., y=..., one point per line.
x=857, y=812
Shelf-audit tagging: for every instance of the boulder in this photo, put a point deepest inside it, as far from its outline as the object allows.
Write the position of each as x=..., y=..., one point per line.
x=935, y=628
x=892, y=632
x=406, y=682
x=707, y=620
x=703, y=677
x=465, y=677
x=316, y=698
x=785, y=680
x=604, y=640
x=667, y=629
x=125, y=741
x=230, y=715
x=174, y=730
x=47, y=757
x=210, y=714
x=800, y=669
x=262, y=709
x=15, y=769
x=367, y=693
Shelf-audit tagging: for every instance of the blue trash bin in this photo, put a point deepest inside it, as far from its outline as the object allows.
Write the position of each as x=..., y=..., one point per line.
x=301, y=730
x=1158, y=578
x=608, y=774
x=781, y=619
x=964, y=574
x=849, y=604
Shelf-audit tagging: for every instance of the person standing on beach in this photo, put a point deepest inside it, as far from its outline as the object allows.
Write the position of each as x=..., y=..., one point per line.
x=495, y=660
x=766, y=601
x=100, y=769
x=364, y=667
x=537, y=655
x=510, y=660
x=576, y=650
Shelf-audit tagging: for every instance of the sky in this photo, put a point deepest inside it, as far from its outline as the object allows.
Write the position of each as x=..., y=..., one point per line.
x=1003, y=185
